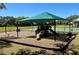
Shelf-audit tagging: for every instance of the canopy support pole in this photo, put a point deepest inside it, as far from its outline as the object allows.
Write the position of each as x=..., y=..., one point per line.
x=55, y=30
x=64, y=27
x=17, y=29
x=32, y=27
x=5, y=29
x=5, y=26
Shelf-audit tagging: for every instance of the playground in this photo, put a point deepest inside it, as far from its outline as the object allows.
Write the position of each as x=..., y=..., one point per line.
x=55, y=38
x=27, y=35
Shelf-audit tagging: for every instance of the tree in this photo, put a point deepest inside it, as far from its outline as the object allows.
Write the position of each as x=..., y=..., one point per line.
x=73, y=17
x=2, y=6
x=20, y=18
x=10, y=20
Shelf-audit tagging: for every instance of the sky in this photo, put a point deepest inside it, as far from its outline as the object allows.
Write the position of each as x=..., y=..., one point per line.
x=30, y=9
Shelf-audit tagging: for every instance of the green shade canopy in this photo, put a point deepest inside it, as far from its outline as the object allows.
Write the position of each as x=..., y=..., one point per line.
x=43, y=17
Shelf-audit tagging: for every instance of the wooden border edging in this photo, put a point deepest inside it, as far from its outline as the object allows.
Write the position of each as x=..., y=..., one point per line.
x=54, y=49
x=9, y=41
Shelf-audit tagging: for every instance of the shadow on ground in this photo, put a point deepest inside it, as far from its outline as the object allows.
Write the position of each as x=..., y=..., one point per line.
x=4, y=44
x=60, y=37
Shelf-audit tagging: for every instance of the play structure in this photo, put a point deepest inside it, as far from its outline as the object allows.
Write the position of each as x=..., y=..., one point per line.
x=44, y=29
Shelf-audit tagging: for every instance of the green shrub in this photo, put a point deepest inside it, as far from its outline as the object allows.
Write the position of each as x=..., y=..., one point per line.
x=23, y=52
x=28, y=52
x=41, y=52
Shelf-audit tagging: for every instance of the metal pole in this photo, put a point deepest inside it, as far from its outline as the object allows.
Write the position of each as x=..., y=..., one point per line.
x=64, y=27
x=5, y=30
x=5, y=25
x=32, y=28
x=55, y=30
x=17, y=29
x=69, y=27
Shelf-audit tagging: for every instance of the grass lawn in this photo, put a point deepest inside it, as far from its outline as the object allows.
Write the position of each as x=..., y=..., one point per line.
x=2, y=29
x=13, y=28
x=59, y=28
